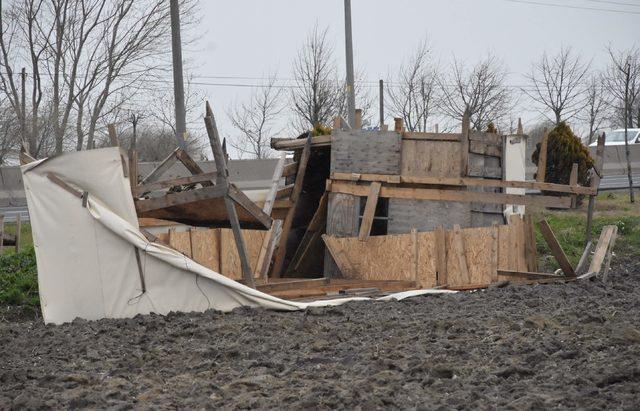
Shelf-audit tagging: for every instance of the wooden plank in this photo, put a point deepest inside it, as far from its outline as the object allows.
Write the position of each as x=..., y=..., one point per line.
x=612, y=242
x=165, y=165
x=292, y=285
x=266, y=250
x=430, y=158
x=485, y=149
x=414, y=135
x=556, y=249
x=140, y=190
x=528, y=275
x=18, y=236
x=288, y=221
x=249, y=206
x=288, y=144
x=181, y=241
x=441, y=255
x=595, y=184
x=600, y=251
x=462, y=181
x=464, y=147
x=59, y=182
x=192, y=166
x=113, y=135
x=316, y=225
x=133, y=168
x=369, y=211
x=173, y=199
x=247, y=273
x=284, y=192
x=452, y=195
x=267, y=207
x=458, y=250
x=290, y=169
x=531, y=249
x=582, y=263
x=415, y=255
x=573, y=182
x=542, y=158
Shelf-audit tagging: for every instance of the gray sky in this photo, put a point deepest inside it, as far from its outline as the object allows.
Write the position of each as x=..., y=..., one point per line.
x=252, y=38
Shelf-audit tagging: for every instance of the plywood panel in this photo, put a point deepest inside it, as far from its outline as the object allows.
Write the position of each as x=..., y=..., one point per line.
x=357, y=151
x=342, y=221
x=181, y=241
x=205, y=247
x=230, y=261
x=431, y=158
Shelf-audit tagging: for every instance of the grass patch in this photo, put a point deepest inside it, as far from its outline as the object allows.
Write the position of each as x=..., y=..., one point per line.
x=19, y=279
x=26, y=238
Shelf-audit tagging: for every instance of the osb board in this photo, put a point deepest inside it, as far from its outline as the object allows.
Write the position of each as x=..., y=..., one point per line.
x=430, y=158
x=390, y=257
x=478, y=253
x=205, y=247
x=511, y=249
x=230, y=261
x=342, y=221
x=358, y=151
x=181, y=241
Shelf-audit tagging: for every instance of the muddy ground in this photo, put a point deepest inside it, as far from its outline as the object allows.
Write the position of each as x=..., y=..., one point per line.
x=547, y=346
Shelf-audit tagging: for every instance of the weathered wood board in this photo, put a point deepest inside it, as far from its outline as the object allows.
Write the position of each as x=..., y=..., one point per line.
x=426, y=215
x=430, y=158
x=342, y=221
x=358, y=151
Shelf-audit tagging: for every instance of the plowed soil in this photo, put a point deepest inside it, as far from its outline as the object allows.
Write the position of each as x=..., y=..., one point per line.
x=573, y=345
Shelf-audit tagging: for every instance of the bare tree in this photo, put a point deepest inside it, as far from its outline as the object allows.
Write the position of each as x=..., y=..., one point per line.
x=9, y=133
x=364, y=99
x=622, y=80
x=413, y=93
x=557, y=84
x=256, y=119
x=596, y=105
x=314, y=95
x=481, y=92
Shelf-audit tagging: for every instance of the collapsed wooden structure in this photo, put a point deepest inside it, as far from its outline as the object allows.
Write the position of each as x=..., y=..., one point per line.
x=366, y=210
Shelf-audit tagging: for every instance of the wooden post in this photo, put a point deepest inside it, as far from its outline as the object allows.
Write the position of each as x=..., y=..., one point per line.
x=358, y=123
x=398, y=125
x=556, y=249
x=595, y=183
x=275, y=181
x=464, y=148
x=530, y=244
x=369, y=211
x=18, y=232
x=520, y=129
x=614, y=235
x=573, y=182
x=542, y=158
x=381, y=95
x=133, y=168
x=1, y=233
x=458, y=245
x=113, y=136
x=266, y=250
x=601, y=248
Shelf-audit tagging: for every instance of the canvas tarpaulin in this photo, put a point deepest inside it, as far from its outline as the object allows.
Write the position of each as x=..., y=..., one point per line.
x=86, y=250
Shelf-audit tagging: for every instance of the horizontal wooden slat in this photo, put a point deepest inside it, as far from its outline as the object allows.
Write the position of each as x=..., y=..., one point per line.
x=289, y=169
x=159, y=185
x=464, y=182
x=284, y=191
x=298, y=143
x=451, y=195
x=414, y=135
x=173, y=199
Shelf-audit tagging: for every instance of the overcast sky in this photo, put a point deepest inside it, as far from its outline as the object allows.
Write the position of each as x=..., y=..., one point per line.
x=252, y=38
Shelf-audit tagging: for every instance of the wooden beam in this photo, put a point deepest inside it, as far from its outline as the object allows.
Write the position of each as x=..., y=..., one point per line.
x=531, y=249
x=284, y=192
x=369, y=211
x=288, y=144
x=556, y=249
x=247, y=274
x=159, y=185
x=528, y=274
x=133, y=168
x=173, y=199
x=250, y=207
x=463, y=181
x=451, y=195
x=315, y=227
x=415, y=135
x=266, y=250
x=193, y=167
x=216, y=146
x=542, y=158
x=573, y=182
x=441, y=256
x=612, y=242
x=595, y=184
x=113, y=135
x=25, y=158
x=582, y=263
x=165, y=165
x=297, y=188
x=464, y=148
x=290, y=169
x=59, y=182
x=267, y=207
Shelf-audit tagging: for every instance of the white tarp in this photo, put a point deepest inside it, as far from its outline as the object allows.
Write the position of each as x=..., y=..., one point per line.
x=515, y=169
x=86, y=255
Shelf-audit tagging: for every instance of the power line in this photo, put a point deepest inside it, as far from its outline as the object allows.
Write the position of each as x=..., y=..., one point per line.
x=567, y=6
x=618, y=3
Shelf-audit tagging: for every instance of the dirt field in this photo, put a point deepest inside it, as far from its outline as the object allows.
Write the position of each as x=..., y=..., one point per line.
x=520, y=347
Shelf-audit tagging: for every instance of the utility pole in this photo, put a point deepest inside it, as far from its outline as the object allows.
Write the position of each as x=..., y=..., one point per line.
x=351, y=95
x=23, y=110
x=178, y=81
x=381, y=92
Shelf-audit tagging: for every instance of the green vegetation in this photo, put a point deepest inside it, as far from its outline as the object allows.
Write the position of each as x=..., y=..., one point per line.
x=25, y=239
x=19, y=279
x=563, y=149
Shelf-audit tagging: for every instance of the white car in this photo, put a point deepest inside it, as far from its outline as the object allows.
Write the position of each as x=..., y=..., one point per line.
x=616, y=137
